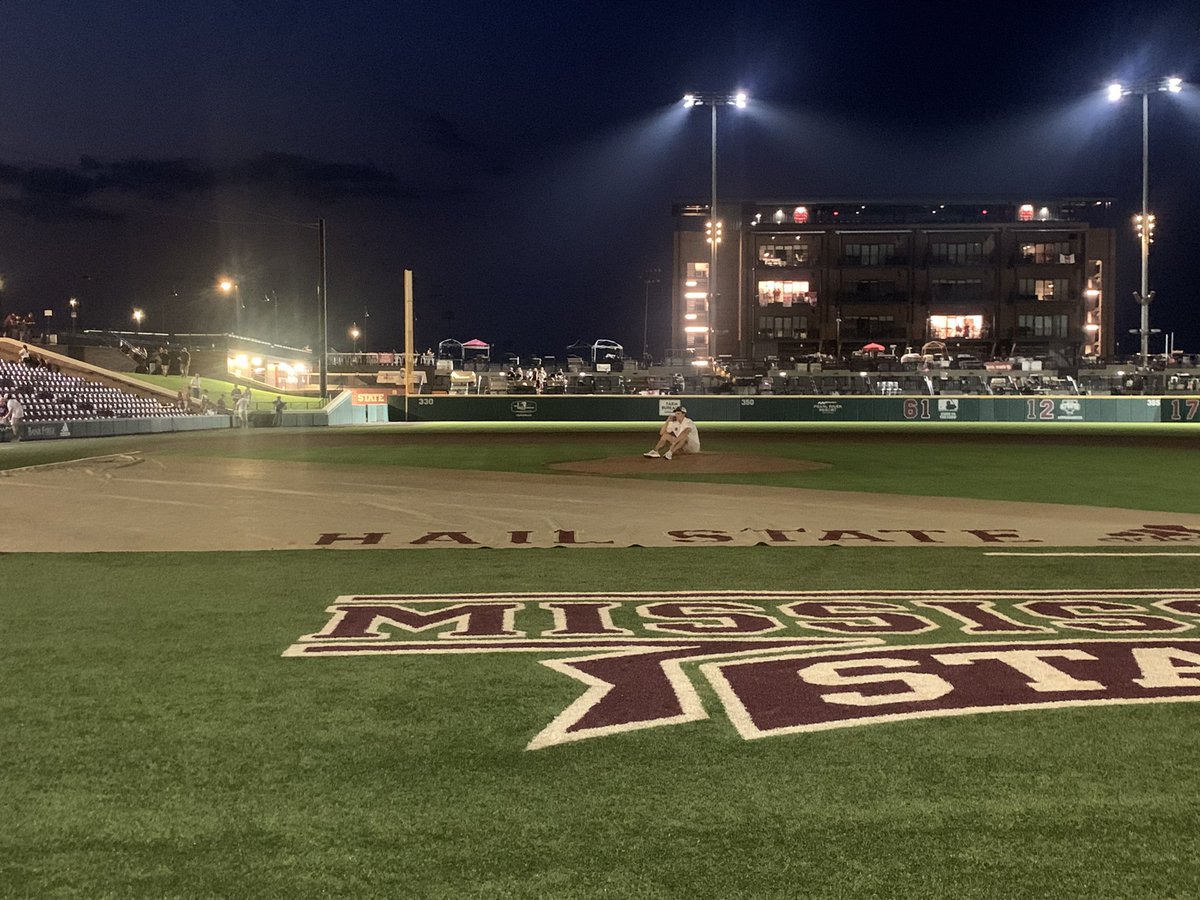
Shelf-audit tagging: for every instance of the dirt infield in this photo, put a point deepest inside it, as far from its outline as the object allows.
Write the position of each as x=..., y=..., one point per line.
x=690, y=464
x=166, y=502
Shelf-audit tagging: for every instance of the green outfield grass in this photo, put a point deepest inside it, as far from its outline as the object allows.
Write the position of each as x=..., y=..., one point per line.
x=1113, y=467
x=155, y=744
x=216, y=388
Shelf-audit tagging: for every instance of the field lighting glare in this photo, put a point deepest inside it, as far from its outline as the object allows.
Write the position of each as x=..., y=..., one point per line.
x=1144, y=221
x=740, y=99
x=689, y=100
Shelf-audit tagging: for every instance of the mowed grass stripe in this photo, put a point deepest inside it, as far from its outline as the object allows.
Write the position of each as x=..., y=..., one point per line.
x=156, y=744
x=1117, y=470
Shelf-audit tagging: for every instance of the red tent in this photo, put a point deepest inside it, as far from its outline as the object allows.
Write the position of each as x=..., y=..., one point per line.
x=874, y=348
x=477, y=349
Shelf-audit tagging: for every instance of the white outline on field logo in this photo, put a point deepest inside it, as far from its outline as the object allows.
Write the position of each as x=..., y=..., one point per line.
x=786, y=662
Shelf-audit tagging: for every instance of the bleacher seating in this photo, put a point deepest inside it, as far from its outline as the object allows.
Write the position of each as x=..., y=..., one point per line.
x=50, y=396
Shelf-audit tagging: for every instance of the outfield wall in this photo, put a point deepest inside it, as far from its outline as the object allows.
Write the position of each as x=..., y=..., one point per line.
x=88, y=428
x=728, y=408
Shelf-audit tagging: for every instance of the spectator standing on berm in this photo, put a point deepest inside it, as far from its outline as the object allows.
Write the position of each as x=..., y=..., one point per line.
x=677, y=435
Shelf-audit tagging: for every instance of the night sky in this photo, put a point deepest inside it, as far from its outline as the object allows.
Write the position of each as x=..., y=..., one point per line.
x=522, y=158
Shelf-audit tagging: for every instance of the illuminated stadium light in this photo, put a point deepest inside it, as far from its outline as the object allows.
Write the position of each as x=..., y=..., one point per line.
x=1173, y=85
x=713, y=99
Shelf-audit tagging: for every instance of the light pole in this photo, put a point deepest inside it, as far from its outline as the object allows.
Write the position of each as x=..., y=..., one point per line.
x=650, y=278
x=355, y=334
x=273, y=299
x=1143, y=222
x=138, y=316
x=228, y=286
x=714, y=228
x=74, y=304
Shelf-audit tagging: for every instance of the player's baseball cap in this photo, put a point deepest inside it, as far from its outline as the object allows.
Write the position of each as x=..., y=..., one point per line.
x=682, y=409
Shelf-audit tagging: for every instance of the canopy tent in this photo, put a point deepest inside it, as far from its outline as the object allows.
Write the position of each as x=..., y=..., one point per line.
x=607, y=351
x=598, y=351
x=475, y=348
x=450, y=349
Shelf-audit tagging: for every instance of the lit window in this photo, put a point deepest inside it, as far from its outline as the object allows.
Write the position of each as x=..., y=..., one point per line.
x=786, y=293
x=964, y=327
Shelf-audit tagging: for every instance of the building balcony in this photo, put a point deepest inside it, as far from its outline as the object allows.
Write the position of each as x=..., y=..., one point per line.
x=850, y=262
x=1063, y=259
x=762, y=335
x=894, y=333
x=956, y=299
x=1034, y=298
x=777, y=264
x=983, y=334
x=941, y=262
x=1030, y=334
x=865, y=297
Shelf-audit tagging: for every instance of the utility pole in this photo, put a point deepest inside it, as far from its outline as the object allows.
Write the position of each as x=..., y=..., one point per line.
x=322, y=315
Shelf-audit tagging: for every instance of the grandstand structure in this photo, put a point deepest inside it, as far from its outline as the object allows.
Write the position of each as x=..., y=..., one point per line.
x=66, y=397
x=50, y=396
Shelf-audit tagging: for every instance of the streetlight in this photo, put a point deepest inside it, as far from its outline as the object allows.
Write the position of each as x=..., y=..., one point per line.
x=1143, y=222
x=714, y=228
x=74, y=304
x=229, y=286
x=355, y=334
x=138, y=316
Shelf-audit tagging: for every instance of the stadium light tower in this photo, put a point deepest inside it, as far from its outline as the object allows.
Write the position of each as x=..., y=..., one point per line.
x=1143, y=222
x=714, y=230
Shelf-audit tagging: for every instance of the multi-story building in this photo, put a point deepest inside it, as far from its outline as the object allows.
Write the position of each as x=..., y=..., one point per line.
x=989, y=278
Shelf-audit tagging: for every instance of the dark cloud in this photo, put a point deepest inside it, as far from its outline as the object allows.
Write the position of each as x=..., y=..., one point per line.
x=50, y=209
x=61, y=193
x=315, y=179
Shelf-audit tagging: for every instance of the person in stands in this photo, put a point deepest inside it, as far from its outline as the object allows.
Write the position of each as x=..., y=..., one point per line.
x=677, y=435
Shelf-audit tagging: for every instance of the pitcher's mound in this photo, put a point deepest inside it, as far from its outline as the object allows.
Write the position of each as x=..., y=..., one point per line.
x=690, y=463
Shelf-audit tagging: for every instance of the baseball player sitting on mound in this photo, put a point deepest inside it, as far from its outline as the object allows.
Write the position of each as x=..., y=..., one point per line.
x=678, y=435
